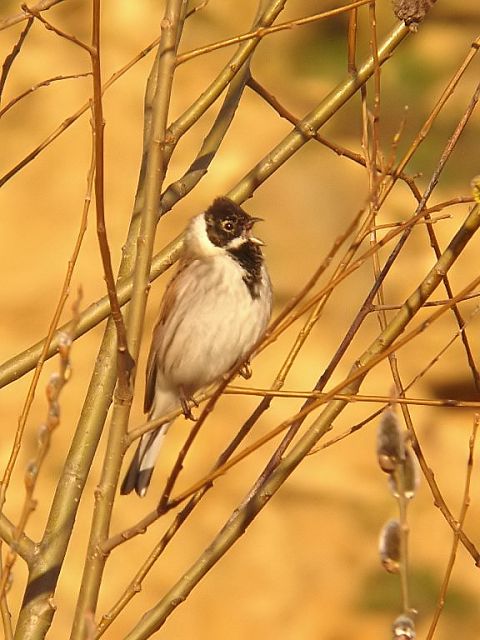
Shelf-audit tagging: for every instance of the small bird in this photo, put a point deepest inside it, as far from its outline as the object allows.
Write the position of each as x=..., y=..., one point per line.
x=214, y=310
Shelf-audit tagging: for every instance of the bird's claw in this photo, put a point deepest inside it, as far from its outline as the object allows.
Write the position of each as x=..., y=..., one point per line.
x=246, y=371
x=187, y=411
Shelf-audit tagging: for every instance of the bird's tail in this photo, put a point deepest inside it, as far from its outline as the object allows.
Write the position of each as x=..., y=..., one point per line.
x=141, y=467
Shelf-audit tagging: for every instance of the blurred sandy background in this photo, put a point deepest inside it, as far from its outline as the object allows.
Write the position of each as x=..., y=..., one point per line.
x=308, y=566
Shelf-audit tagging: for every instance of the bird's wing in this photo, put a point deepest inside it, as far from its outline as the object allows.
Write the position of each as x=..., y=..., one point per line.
x=168, y=302
x=151, y=378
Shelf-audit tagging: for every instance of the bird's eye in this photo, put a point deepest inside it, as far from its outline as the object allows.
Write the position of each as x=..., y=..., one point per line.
x=227, y=225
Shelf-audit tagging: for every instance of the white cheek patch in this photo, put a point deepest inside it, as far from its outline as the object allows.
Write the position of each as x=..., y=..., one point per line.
x=236, y=243
x=197, y=242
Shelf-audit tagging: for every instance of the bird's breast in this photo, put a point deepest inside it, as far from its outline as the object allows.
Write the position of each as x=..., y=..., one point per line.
x=213, y=323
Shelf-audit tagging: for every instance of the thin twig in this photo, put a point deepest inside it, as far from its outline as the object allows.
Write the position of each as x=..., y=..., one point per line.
x=4, y=608
x=352, y=41
x=387, y=342
x=74, y=117
x=43, y=5
x=402, y=501
x=39, y=85
x=335, y=147
x=125, y=362
x=432, y=303
x=456, y=534
x=23, y=545
x=44, y=348
x=54, y=388
x=50, y=27
x=9, y=60
x=261, y=32
x=290, y=393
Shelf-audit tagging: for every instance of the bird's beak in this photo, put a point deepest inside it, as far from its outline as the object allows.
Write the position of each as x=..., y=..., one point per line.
x=257, y=241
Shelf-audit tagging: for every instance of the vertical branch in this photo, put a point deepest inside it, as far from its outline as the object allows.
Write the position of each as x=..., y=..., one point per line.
x=37, y=609
x=399, y=479
x=457, y=532
x=4, y=609
x=376, y=99
x=156, y=166
x=124, y=360
x=352, y=41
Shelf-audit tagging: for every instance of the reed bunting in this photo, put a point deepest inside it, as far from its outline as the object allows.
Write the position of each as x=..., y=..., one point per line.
x=215, y=308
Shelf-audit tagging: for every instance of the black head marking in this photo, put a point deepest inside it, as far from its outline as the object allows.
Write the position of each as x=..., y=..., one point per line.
x=226, y=224
x=226, y=221
x=249, y=256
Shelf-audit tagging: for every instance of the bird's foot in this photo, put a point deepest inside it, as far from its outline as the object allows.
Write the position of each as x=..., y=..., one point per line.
x=246, y=371
x=186, y=408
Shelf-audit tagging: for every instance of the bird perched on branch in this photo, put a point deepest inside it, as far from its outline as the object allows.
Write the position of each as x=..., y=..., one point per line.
x=215, y=308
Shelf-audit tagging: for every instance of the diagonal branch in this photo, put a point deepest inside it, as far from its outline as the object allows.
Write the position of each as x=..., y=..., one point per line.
x=253, y=504
x=24, y=546
x=43, y=5
x=9, y=60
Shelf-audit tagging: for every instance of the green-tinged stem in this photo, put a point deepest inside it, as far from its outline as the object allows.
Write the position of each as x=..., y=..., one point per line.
x=23, y=546
x=402, y=501
x=269, y=10
x=307, y=128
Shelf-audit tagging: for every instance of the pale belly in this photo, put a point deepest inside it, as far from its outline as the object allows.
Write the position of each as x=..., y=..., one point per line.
x=216, y=322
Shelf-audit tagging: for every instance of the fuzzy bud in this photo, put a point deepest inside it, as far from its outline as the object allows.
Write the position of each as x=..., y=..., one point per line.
x=390, y=443
x=42, y=434
x=389, y=546
x=64, y=344
x=30, y=474
x=411, y=476
x=403, y=628
x=476, y=189
x=53, y=386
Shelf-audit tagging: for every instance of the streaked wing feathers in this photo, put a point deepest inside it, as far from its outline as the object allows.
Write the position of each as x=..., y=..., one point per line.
x=168, y=303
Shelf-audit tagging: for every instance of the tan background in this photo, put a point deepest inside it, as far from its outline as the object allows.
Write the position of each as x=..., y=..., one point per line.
x=308, y=566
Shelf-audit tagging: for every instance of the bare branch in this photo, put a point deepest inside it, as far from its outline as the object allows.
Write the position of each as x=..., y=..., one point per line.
x=387, y=342
x=457, y=532
x=50, y=27
x=43, y=5
x=39, y=85
x=9, y=60
x=156, y=167
x=54, y=389
x=261, y=32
